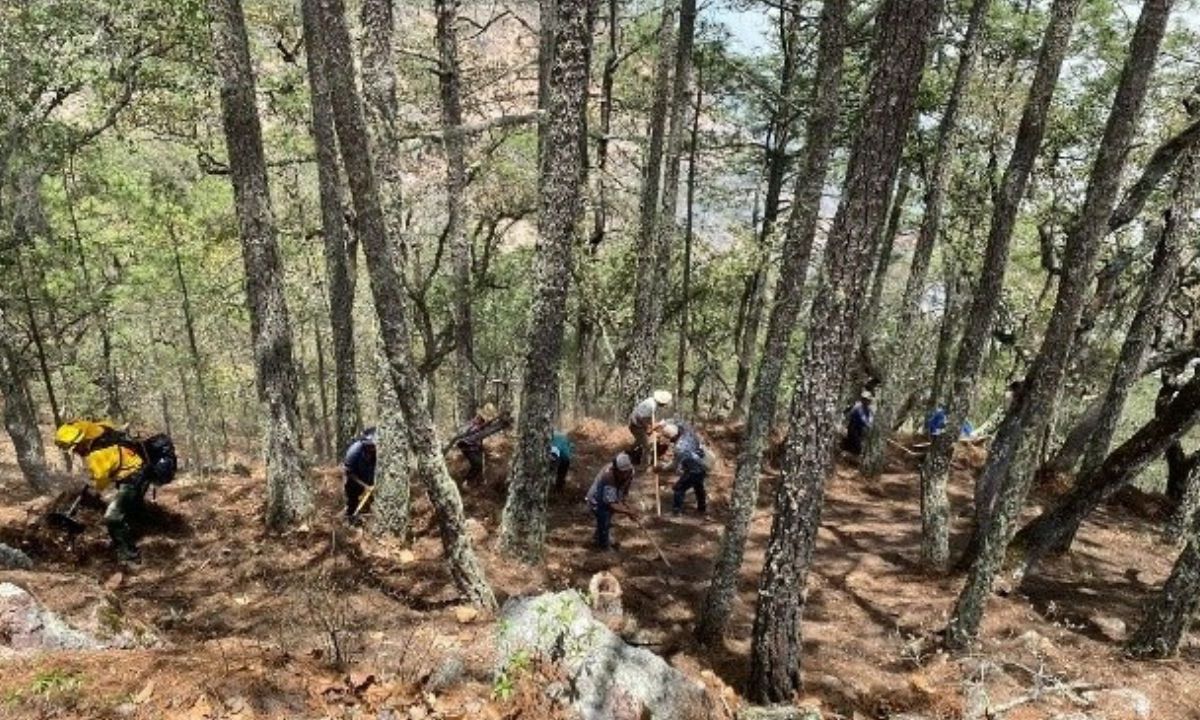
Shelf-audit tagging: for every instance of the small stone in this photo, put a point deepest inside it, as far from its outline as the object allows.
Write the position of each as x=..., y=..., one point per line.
x=14, y=559
x=1120, y=704
x=777, y=712
x=114, y=581
x=1035, y=642
x=465, y=614
x=1110, y=627
x=418, y=712
x=406, y=557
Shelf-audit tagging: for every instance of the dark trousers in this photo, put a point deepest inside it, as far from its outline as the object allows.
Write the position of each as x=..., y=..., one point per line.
x=128, y=501
x=691, y=481
x=603, y=514
x=354, y=493
x=562, y=466
x=474, y=458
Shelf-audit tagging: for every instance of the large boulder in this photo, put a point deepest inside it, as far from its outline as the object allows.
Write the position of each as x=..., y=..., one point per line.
x=605, y=679
x=27, y=626
x=13, y=559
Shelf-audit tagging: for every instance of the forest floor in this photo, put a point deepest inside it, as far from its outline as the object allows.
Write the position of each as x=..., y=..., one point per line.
x=239, y=623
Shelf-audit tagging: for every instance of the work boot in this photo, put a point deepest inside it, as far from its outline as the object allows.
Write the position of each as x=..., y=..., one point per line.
x=123, y=544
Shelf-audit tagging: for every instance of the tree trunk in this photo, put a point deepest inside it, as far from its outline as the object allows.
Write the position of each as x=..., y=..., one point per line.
x=35, y=334
x=391, y=305
x=957, y=295
x=653, y=250
x=898, y=55
x=686, y=285
x=336, y=244
x=935, y=510
x=789, y=292
x=1053, y=530
x=775, y=166
x=1157, y=285
x=20, y=419
x=1184, y=514
x=1012, y=458
x=380, y=108
x=680, y=96
x=523, y=526
x=289, y=494
x=390, y=513
x=898, y=355
x=1172, y=613
x=449, y=82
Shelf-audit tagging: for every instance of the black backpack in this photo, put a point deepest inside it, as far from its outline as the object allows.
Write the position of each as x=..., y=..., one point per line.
x=157, y=453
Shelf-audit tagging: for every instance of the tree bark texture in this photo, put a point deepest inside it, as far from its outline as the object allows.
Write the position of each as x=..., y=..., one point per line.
x=653, y=250
x=935, y=502
x=336, y=242
x=450, y=85
x=390, y=514
x=898, y=354
x=1159, y=281
x=391, y=307
x=1184, y=514
x=898, y=55
x=289, y=494
x=1172, y=613
x=789, y=294
x=380, y=107
x=688, y=238
x=20, y=419
x=523, y=525
x=1013, y=452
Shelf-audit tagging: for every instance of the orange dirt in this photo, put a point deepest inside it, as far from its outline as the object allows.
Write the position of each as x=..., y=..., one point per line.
x=245, y=617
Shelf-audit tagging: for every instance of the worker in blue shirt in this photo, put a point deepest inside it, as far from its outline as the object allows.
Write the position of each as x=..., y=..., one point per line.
x=688, y=458
x=560, y=455
x=858, y=422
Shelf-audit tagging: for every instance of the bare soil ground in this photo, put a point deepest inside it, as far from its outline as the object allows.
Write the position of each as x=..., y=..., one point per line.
x=243, y=624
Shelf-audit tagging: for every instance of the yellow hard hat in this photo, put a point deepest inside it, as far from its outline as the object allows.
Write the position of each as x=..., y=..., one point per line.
x=68, y=436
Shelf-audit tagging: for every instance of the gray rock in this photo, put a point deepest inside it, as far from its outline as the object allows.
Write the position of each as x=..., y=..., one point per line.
x=1110, y=627
x=26, y=626
x=1120, y=703
x=13, y=559
x=611, y=680
x=777, y=712
x=448, y=673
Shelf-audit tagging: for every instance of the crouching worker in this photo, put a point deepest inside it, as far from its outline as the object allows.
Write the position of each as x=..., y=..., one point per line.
x=689, y=459
x=359, y=468
x=110, y=462
x=560, y=458
x=607, y=497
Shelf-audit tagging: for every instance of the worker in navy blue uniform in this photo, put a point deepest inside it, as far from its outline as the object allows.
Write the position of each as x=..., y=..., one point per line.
x=359, y=468
x=606, y=497
x=858, y=422
x=688, y=459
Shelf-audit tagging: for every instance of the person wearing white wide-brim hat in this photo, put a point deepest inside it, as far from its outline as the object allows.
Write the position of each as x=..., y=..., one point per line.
x=641, y=420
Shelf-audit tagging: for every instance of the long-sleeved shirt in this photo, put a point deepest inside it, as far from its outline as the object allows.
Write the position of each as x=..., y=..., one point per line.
x=360, y=461
x=643, y=413
x=114, y=463
x=687, y=454
x=606, y=489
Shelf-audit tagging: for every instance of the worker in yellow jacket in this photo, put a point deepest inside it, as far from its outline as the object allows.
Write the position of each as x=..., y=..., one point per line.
x=109, y=462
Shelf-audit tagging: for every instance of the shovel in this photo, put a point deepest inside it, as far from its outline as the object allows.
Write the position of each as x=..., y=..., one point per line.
x=66, y=521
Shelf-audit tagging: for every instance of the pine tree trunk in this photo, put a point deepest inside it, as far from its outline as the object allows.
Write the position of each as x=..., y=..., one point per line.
x=898, y=55
x=1012, y=460
x=390, y=513
x=898, y=354
x=956, y=301
x=336, y=244
x=789, y=292
x=935, y=469
x=680, y=96
x=653, y=250
x=449, y=83
x=380, y=109
x=1173, y=612
x=20, y=419
x=686, y=284
x=289, y=494
x=1185, y=512
x=391, y=306
x=1159, y=282
x=523, y=526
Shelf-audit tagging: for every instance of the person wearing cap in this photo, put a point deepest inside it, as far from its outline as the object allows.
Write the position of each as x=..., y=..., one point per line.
x=109, y=463
x=359, y=469
x=606, y=497
x=641, y=421
x=687, y=458
x=858, y=422
x=470, y=442
x=560, y=456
